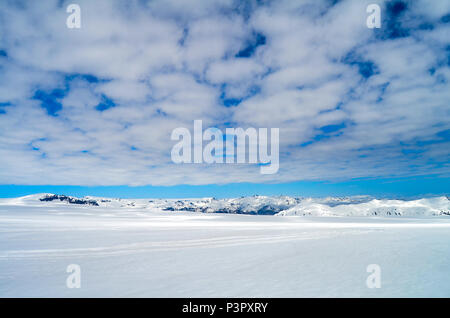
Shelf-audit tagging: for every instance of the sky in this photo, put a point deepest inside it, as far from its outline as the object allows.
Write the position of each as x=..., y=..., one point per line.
x=90, y=111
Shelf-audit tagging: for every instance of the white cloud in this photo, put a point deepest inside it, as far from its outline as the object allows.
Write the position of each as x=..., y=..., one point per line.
x=125, y=90
x=233, y=71
x=163, y=64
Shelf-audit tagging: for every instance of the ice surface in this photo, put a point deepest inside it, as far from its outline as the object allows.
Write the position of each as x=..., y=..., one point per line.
x=133, y=248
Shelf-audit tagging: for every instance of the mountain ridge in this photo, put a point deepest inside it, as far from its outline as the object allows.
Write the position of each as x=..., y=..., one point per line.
x=257, y=205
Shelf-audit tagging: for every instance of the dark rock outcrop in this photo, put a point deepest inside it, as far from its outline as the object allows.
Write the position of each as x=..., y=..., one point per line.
x=68, y=199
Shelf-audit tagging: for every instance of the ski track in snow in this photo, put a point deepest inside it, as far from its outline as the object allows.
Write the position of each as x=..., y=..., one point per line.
x=126, y=249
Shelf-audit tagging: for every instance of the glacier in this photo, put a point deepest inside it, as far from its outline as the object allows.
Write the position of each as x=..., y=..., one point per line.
x=240, y=247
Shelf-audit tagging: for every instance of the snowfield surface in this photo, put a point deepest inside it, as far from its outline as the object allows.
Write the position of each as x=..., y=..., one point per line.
x=137, y=248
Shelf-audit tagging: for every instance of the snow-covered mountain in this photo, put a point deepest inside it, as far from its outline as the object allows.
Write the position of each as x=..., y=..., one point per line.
x=258, y=205
x=423, y=207
x=261, y=205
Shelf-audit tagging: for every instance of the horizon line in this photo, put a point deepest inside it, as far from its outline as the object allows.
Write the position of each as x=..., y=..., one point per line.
x=407, y=187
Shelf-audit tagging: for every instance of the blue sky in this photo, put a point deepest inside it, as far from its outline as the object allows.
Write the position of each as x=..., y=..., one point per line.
x=404, y=188
x=91, y=110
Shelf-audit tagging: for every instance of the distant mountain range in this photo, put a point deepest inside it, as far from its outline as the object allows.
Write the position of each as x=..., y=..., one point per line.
x=258, y=205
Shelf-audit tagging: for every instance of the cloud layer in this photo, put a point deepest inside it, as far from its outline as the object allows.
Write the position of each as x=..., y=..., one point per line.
x=97, y=105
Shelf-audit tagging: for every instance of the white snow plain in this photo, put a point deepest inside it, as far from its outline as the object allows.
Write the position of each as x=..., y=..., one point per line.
x=130, y=248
